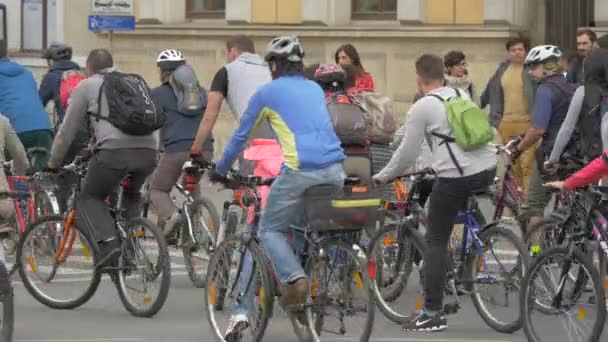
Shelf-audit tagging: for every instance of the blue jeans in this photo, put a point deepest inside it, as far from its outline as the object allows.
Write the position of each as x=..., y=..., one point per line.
x=282, y=209
x=282, y=206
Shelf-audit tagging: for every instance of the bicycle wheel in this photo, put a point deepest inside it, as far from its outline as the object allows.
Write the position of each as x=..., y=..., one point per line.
x=205, y=224
x=7, y=321
x=144, y=273
x=382, y=261
x=9, y=238
x=45, y=204
x=548, y=233
x=56, y=263
x=541, y=283
x=495, y=277
x=397, y=263
x=239, y=282
x=342, y=305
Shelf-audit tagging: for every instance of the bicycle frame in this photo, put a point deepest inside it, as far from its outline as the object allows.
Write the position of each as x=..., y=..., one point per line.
x=509, y=188
x=186, y=211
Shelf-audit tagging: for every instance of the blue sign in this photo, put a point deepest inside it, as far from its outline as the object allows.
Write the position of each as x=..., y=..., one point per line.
x=111, y=23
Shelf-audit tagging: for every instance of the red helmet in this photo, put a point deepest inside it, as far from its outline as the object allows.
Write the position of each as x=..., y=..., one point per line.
x=327, y=73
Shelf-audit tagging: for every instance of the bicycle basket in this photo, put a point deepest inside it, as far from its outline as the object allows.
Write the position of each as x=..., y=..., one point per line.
x=330, y=209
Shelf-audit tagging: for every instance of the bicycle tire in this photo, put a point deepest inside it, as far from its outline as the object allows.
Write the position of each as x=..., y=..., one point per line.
x=45, y=199
x=7, y=298
x=472, y=262
x=404, y=259
x=417, y=243
x=261, y=265
x=163, y=267
x=14, y=239
x=535, y=265
x=542, y=228
x=33, y=290
x=199, y=280
x=315, y=325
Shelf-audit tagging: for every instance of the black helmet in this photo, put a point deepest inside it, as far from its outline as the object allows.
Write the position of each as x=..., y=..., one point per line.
x=57, y=51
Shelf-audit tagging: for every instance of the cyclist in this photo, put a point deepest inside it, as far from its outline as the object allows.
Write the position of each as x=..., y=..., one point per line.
x=19, y=102
x=312, y=157
x=236, y=82
x=177, y=135
x=585, y=113
x=59, y=59
x=10, y=142
x=452, y=187
x=116, y=154
x=591, y=173
x=551, y=104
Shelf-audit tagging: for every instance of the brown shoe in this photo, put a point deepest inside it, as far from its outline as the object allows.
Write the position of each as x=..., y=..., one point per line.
x=295, y=294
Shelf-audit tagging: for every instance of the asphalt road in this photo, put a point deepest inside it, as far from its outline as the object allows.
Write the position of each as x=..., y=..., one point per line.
x=183, y=318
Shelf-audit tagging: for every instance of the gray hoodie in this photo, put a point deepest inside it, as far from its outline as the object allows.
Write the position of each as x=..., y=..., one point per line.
x=106, y=137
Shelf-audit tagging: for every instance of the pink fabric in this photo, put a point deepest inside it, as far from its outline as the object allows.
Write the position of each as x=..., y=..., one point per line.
x=267, y=157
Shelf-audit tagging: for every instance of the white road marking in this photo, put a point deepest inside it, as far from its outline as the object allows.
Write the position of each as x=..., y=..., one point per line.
x=86, y=340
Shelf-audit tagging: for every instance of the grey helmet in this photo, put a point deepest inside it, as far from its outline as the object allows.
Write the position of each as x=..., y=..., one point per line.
x=57, y=51
x=287, y=47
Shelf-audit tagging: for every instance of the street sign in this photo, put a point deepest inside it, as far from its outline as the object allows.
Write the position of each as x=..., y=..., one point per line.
x=112, y=7
x=111, y=23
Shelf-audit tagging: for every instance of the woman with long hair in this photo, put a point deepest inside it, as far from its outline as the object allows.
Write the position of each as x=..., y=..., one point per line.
x=348, y=55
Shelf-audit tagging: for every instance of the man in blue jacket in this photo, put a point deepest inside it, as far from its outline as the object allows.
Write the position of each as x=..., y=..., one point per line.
x=59, y=59
x=296, y=110
x=19, y=102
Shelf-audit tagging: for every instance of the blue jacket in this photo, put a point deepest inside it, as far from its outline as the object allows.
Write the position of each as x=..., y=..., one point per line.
x=49, y=87
x=296, y=110
x=19, y=100
x=179, y=130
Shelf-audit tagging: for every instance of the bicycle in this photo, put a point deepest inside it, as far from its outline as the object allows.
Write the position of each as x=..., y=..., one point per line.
x=196, y=233
x=555, y=267
x=468, y=269
x=241, y=274
x=41, y=202
x=7, y=320
x=73, y=252
x=509, y=194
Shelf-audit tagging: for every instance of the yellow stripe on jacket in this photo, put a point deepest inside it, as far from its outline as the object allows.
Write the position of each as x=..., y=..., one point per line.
x=286, y=137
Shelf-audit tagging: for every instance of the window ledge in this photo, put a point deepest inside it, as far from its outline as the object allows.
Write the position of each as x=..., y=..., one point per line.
x=360, y=29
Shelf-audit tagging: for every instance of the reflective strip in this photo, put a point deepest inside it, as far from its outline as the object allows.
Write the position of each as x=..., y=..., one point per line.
x=355, y=203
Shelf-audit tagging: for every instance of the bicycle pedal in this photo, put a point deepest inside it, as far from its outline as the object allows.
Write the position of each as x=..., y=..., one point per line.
x=451, y=308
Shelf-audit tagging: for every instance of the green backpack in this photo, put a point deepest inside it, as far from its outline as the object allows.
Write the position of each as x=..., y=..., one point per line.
x=470, y=125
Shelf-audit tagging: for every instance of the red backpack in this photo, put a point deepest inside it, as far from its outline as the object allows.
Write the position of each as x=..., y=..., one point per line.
x=67, y=84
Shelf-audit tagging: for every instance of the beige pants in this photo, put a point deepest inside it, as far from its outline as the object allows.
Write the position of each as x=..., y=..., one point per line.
x=510, y=129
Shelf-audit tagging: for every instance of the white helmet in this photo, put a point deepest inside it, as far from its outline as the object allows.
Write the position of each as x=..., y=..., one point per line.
x=542, y=53
x=285, y=47
x=170, y=55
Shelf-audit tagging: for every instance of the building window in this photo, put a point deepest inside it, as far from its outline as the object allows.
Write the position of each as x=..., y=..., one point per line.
x=205, y=8
x=375, y=9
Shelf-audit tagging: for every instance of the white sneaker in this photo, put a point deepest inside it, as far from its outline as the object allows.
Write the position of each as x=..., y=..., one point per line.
x=236, y=325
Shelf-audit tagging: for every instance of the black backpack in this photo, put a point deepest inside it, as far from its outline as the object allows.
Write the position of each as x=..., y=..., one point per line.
x=595, y=105
x=131, y=107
